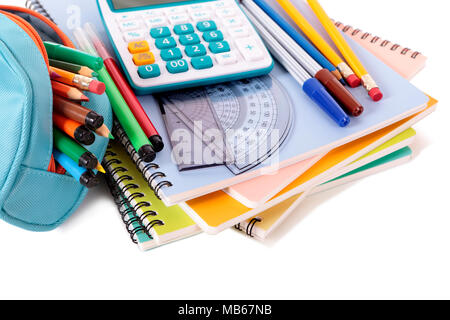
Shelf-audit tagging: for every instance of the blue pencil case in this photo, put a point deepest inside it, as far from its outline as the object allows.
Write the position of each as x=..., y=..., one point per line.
x=33, y=197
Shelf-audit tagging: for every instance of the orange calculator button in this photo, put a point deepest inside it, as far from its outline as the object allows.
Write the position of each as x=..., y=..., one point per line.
x=138, y=47
x=142, y=59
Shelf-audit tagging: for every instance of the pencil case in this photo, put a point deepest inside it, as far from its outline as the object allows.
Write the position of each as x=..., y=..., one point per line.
x=32, y=195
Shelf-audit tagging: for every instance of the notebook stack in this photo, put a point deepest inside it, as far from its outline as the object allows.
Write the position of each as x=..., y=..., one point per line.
x=211, y=183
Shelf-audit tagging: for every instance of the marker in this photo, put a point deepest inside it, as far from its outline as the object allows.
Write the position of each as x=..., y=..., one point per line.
x=75, y=68
x=138, y=138
x=336, y=89
x=86, y=177
x=77, y=112
x=77, y=153
x=57, y=51
x=65, y=91
x=80, y=82
x=311, y=86
x=75, y=130
x=125, y=89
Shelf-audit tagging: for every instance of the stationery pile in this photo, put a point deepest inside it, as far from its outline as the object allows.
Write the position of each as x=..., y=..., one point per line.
x=283, y=148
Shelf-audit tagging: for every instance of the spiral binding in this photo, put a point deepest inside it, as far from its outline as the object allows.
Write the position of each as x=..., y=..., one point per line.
x=250, y=226
x=124, y=191
x=36, y=5
x=375, y=39
x=154, y=178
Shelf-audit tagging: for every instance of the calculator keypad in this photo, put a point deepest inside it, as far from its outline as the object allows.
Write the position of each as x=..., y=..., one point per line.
x=189, y=38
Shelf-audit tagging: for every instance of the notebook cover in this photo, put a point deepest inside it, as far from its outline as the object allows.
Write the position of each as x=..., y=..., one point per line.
x=217, y=211
x=401, y=100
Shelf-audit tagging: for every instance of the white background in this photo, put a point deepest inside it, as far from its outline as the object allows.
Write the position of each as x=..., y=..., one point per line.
x=385, y=237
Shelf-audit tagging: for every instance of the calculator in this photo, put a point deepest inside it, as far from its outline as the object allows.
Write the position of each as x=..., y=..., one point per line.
x=166, y=45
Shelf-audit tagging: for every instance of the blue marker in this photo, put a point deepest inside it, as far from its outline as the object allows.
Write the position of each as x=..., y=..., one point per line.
x=297, y=37
x=86, y=177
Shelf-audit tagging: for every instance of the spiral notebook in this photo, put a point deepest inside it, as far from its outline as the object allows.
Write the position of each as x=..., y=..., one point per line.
x=269, y=220
x=148, y=220
x=402, y=100
x=265, y=223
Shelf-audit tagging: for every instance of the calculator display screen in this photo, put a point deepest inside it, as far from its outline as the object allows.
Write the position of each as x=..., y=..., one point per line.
x=127, y=4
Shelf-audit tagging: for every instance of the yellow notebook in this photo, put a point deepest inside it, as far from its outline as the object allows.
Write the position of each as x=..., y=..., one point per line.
x=218, y=211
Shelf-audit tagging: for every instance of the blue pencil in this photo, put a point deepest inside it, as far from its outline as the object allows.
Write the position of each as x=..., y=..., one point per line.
x=86, y=177
x=305, y=44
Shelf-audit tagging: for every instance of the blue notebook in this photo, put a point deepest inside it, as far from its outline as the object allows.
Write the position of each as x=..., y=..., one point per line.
x=312, y=132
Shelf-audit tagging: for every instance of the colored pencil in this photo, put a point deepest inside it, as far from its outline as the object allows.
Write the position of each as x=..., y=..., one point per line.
x=75, y=130
x=80, y=82
x=75, y=68
x=320, y=43
x=311, y=86
x=77, y=112
x=103, y=131
x=337, y=90
x=351, y=58
x=84, y=176
x=66, y=91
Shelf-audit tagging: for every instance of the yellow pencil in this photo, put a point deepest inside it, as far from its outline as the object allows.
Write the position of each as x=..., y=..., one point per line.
x=320, y=43
x=346, y=50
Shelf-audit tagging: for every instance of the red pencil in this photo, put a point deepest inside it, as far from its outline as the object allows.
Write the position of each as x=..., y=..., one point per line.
x=126, y=91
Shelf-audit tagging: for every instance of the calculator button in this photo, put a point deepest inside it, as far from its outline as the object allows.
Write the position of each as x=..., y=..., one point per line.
x=175, y=10
x=181, y=29
x=149, y=71
x=165, y=43
x=126, y=17
x=250, y=49
x=156, y=22
x=138, y=47
x=178, y=18
x=177, y=66
x=161, y=32
x=201, y=15
x=219, y=47
x=240, y=32
x=129, y=26
x=171, y=54
x=226, y=58
x=201, y=63
x=226, y=12
x=189, y=39
x=152, y=14
x=213, y=36
x=205, y=26
x=198, y=7
x=221, y=4
x=141, y=59
x=134, y=36
x=196, y=50
x=233, y=22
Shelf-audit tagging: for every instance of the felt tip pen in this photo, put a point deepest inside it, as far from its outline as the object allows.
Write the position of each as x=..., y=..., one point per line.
x=59, y=52
x=84, y=176
x=122, y=84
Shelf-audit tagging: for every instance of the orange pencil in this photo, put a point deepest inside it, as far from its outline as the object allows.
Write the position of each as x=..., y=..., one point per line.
x=351, y=58
x=80, y=82
x=68, y=92
x=73, y=129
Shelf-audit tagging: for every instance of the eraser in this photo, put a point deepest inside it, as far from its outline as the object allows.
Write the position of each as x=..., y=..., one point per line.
x=97, y=87
x=376, y=94
x=353, y=81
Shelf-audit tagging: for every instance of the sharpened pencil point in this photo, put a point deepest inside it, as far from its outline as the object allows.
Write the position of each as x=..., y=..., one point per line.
x=101, y=169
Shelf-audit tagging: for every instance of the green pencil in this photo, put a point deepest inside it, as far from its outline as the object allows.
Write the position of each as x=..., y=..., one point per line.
x=74, y=68
x=138, y=138
x=76, y=152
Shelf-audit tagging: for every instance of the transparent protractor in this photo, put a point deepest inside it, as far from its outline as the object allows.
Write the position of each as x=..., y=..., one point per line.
x=225, y=104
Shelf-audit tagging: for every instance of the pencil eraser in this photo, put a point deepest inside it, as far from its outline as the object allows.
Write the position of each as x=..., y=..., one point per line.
x=97, y=87
x=376, y=94
x=353, y=81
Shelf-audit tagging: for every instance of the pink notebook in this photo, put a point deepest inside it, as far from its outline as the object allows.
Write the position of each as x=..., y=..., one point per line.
x=406, y=62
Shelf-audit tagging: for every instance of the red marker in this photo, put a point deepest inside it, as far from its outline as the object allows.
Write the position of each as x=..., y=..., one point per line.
x=125, y=89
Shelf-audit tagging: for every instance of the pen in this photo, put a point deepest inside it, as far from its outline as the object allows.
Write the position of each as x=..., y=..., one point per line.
x=125, y=89
x=59, y=52
x=311, y=86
